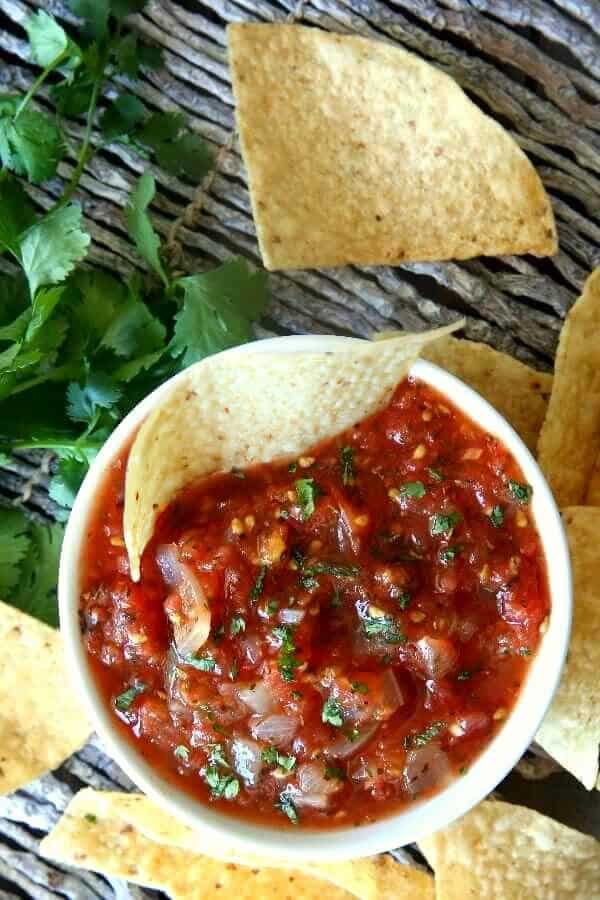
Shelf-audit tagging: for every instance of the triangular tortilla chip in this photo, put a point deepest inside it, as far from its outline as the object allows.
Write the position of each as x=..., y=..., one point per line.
x=128, y=836
x=41, y=723
x=360, y=152
x=570, y=731
x=234, y=410
x=570, y=440
x=508, y=852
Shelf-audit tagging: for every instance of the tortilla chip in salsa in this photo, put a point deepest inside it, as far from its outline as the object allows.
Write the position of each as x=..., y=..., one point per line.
x=508, y=852
x=41, y=724
x=234, y=410
x=361, y=152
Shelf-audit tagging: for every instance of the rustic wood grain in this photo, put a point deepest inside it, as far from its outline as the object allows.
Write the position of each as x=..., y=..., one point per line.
x=534, y=65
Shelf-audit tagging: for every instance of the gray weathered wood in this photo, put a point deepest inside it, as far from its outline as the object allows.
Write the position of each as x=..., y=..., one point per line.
x=535, y=65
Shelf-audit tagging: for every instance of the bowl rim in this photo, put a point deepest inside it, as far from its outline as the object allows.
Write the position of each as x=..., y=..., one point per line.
x=421, y=818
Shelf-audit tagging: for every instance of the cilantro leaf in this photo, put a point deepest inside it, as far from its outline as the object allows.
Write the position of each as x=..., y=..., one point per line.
x=347, y=462
x=259, y=584
x=48, y=40
x=51, y=247
x=14, y=544
x=272, y=757
x=226, y=786
x=124, y=700
x=70, y=472
x=16, y=214
x=95, y=16
x=496, y=517
x=122, y=116
x=424, y=737
x=134, y=331
x=99, y=392
x=337, y=570
x=140, y=226
x=522, y=493
x=204, y=663
x=217, y=310
x=131, y=55
x=36, y=591
x=237, y=625
x=31, y=143
x=178, y=151
x=384, y=627
x=288, y=807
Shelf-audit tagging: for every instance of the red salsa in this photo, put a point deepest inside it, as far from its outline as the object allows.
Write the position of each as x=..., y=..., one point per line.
x=325, y=640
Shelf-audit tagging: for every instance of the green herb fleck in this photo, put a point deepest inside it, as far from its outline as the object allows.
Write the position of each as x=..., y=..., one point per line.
x=297, y=695
x=216, y=756
x=403, y=600
x=384, y=627
x=497, y=517
x=292, y=467
x=521, y=492
x=332, y=772
x=306, y=494
x=444, y=524
x=463, y=770
x=336, y=600
x=435, y=474
x=338, y=570
x=259, y=585
x=414, y=489
x=347, y=462
x=234, y=670
x=91, y=818
x=205, y=663
x=272, y=757
x=226, y=786
x=423, y=737
x=182, y=752
x=359, y=687
x=124, y=700
x=332, y=713
x=464, y=675
x=237, y=625
x=287, y=807
x=448, y=554
x=353, y=734
x=287, y=663
x=272, y=607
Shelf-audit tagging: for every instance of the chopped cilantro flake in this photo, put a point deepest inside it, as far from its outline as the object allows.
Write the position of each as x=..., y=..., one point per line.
x=272, y=607
x=226, y=786
x=384, y=627
x=464, y=675
x=423, y=737
x=497, y=517
x=332, y=772
x=336, y=600
x=292, y=467
x=359, y=687
x=448, y=554
x=124, y=700
x=332, y=713
x=403, y=600
x=216, y=756
x=205, y=663
x=91, y=818
x=287, y=663
x=327, y=568
x=272, y=757
x=259, y=585
x=181, y=752
x=288, y=807
x=414, y=489
x=435, y=474
x=237, y=625
x=521, y=492
x=306, y=494
x=444, y=524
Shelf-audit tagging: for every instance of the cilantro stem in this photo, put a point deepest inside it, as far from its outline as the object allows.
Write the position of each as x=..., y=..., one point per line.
x=84, y=156
x=39, y=81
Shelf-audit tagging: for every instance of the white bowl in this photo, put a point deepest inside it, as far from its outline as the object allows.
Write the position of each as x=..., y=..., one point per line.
x=423, y=817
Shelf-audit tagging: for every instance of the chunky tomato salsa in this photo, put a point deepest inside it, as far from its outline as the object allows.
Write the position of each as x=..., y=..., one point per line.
x=324, y=640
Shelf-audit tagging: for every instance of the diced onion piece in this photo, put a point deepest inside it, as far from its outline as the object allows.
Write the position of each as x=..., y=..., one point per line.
x=437, y=656
x=258, y=698
x=292, y=616
x=246, y=759
x=426, y=767
x=311, y=779
x=315, y=801
x=344, y=747
x=276, y=729
x=191, y=627
x=391, y=694
x=252, y=649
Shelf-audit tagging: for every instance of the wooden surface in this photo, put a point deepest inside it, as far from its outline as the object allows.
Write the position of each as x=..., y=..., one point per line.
x=534, y=65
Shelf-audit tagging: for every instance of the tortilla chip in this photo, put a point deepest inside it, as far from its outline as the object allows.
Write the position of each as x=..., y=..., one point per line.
x=570, y=440
x=508, y=852
x=127, y=835
x=41, y=723
x=360, y=152
x=570, y=731
x=519, y=393
x=237, y=409
x=592, y=497
x=372, y=878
